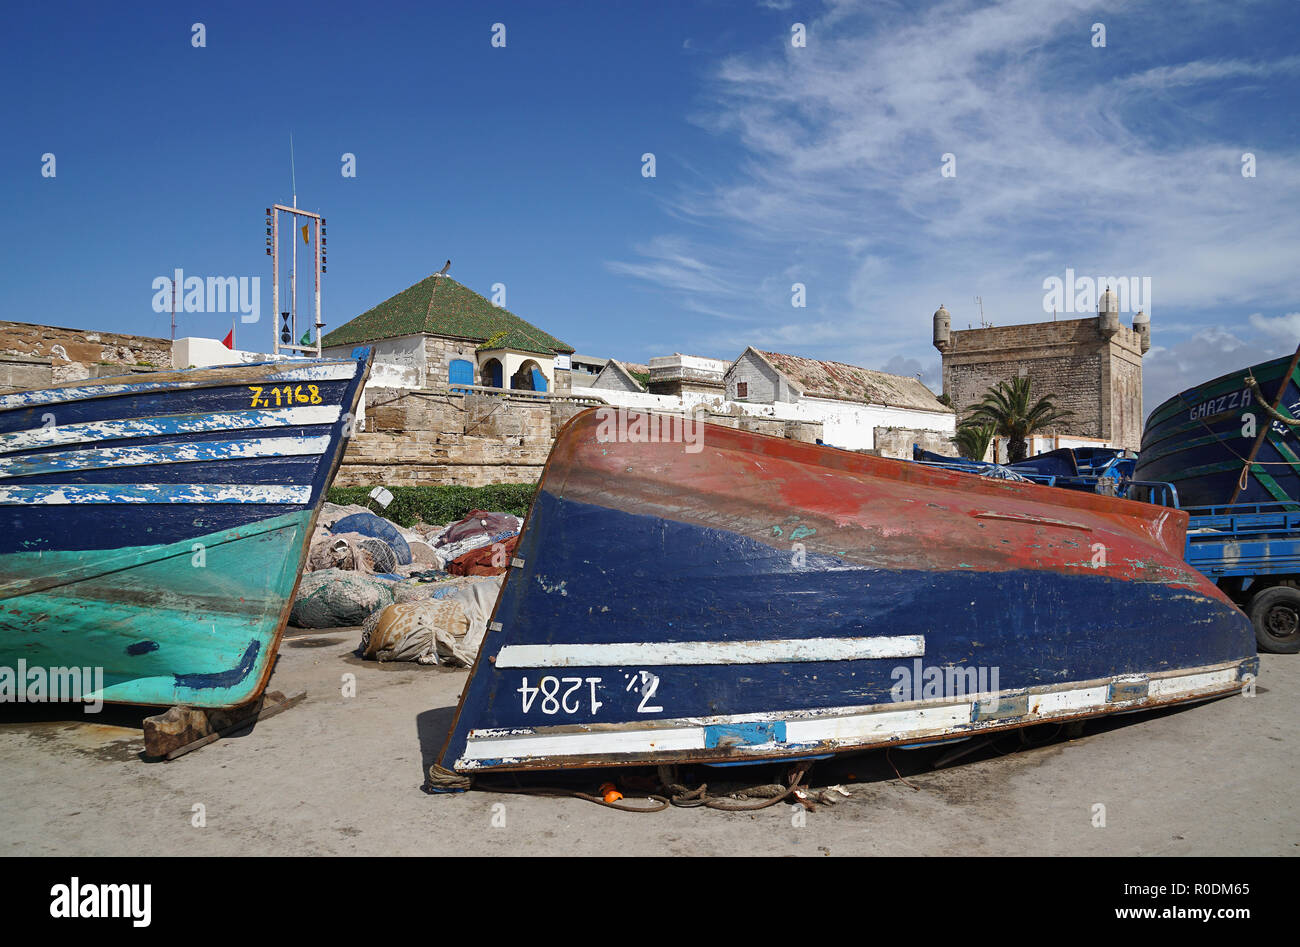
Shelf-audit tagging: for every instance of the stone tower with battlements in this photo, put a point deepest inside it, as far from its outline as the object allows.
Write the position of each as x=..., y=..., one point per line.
x=1091, y=366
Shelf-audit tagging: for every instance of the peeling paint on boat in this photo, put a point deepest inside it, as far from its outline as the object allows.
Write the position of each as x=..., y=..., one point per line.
x=171, y=562
x=666, y=653
x=52, y=462
x=247, y=373
x=83, y=433
x=695, y=560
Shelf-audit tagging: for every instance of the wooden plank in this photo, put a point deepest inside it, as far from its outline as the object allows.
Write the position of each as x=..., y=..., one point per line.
x=183, y=729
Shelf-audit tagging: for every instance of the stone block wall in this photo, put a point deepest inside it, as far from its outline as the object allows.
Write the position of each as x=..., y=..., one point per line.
x=807, y=431
x=1098, y=378
x=898, y=441
x=74, y=354
x=435, y=437
x=19, y=372
x=421, y=437
x=439, y=354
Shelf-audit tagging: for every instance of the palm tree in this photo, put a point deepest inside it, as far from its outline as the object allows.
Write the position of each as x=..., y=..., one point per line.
x=972, y=439
x=1006, y=407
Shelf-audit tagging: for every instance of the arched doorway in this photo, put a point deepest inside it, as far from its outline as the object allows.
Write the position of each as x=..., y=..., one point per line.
x=528, y=378
x=492, y=373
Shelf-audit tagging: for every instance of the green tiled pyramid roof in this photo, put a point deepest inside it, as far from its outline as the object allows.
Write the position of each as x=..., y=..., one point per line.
x=438, y=305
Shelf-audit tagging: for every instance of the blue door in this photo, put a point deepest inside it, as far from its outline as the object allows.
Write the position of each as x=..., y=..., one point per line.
x=460, y=372
x=539, y=380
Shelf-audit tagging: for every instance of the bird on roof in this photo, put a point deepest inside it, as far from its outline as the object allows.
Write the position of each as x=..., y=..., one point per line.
x=445, y=267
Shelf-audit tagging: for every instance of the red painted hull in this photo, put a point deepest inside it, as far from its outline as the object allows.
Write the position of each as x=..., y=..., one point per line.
x=733, y=596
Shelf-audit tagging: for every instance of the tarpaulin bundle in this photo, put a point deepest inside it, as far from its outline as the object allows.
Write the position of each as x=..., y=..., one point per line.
x=376, y=527
x=421, y=589
x=444, y=630
x=477, y=523
x=331, y=513
x=999, y=472
x=485, y=560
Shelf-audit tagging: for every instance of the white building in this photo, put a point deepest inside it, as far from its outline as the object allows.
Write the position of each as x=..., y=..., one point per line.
x=854, y=404
x=858, y=408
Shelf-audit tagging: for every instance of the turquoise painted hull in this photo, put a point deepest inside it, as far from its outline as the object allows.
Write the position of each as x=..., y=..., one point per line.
x=195, y=622
x=152, y=530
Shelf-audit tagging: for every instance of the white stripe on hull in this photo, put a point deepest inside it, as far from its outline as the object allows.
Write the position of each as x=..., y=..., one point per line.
x=78, y=493
x=90, y=431
x=337, y=371
x=669, y=653
x=832, y=729
x=1174, y=686
x=188, y=452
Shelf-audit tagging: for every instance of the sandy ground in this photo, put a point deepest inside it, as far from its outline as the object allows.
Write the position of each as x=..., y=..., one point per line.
x=343, y=776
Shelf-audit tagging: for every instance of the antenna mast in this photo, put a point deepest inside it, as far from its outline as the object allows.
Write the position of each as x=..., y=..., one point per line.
x=293, y=273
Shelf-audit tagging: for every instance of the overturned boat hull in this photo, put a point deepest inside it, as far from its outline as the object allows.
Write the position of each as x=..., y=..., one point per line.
x=732, y=597
x=153, y=528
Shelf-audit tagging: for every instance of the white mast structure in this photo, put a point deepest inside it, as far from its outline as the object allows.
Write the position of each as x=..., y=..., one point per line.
x=293, y=272
x=292, y=344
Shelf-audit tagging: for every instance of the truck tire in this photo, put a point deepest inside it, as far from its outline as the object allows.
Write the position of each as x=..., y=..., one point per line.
x=1275, y=613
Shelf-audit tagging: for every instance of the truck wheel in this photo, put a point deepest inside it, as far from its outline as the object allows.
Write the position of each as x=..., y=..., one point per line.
x=1275, y=612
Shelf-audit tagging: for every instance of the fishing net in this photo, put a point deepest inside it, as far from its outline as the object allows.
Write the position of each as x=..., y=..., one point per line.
x=334, y=598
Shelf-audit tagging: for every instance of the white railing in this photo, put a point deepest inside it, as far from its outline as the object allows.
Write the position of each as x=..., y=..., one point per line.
x=525, y=394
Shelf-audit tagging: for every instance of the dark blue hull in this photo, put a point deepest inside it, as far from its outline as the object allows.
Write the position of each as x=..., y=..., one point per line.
x=767, y=599
x=1202, y=439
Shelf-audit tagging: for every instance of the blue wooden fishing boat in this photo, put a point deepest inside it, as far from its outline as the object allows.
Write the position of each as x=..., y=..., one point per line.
x=1065, y=465
x=1230, y=440
x=154, y=527
x=696, y=593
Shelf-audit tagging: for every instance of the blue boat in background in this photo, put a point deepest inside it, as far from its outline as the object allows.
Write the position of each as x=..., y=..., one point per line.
x=1092, y=469
x=1230, y=440
x=156, y=527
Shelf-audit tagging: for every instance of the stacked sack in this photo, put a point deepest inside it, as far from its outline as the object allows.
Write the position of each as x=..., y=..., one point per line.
x=442, y=628
x=420, y=595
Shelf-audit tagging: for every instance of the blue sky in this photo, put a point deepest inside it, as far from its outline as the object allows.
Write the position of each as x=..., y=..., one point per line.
x=774, y=165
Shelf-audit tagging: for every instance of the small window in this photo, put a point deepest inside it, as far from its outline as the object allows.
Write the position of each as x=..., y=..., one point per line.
x=742, y=389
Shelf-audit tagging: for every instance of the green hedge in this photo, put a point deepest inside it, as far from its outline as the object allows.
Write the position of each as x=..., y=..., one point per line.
x=442, y=504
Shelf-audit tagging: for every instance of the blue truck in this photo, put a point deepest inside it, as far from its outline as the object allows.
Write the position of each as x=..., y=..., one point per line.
x=1251, y=551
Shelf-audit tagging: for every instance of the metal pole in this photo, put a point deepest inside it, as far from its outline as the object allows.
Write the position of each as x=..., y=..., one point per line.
x=275, y=279
x=293, y=281
x=318, y=322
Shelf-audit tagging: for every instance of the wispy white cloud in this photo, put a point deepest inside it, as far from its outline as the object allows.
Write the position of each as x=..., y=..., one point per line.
x=1186, y=74
x=1066, y=156
x=1281, y=329
x=669, y=262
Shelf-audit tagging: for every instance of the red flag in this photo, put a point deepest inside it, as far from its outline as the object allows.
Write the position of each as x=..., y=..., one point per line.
x=229, y=340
